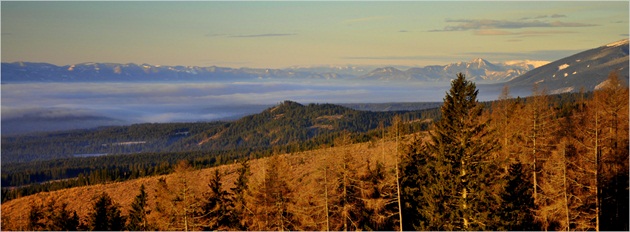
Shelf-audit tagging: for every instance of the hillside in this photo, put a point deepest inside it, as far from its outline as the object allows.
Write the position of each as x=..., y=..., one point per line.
x=305, y=168
x=586, y=70
x=291, y=122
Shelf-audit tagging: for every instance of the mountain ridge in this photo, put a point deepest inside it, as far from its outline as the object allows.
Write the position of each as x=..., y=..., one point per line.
x=106, y=72
x=586, y=69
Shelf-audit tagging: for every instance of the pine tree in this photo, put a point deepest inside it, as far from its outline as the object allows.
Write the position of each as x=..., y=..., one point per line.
x=36, y=218
x=463, y=181
x=516, y=212
x=105, y=215
x=217, y=208
x=239, y=192
x=414, y=171
x=138, y=212
x=380, y=197
x=64, y=220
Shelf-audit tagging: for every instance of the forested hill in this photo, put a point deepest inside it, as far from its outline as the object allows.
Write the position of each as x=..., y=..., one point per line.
x=291, y=122
x=286, y=123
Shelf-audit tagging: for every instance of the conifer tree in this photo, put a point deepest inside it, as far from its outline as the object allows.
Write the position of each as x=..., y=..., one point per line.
x=36, y=218
x=600, y=165
x=217, y=208
x=612, y=104
x=415, y=174
x=64, y=220
x=348, y=211
x=380, y=197
x=537, y=135
x=463, y=181
x=240, y=209
x=517, y=204
x=177, y=202
x=504, y=115
x=273, y=198
x=138, y=212
x=105, y=215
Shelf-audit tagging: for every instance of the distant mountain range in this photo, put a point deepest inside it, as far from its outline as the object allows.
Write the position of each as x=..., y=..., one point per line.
x=587, y=69
x=477, y=69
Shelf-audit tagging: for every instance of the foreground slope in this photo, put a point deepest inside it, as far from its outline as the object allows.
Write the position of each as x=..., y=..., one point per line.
x=305, y=168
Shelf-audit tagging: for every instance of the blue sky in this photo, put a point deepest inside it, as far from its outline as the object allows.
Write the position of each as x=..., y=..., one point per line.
x=283, y=34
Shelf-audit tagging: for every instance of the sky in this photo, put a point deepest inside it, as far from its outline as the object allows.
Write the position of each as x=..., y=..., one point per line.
x=287, y=34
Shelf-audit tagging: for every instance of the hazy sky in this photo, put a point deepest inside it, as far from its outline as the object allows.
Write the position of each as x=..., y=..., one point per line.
x=283, y=34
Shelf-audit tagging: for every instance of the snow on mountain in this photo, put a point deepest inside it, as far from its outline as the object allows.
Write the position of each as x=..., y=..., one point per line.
x=530, y=64
x=563, y=66
x=387, y=74
x=478, y=69
x=623, y=42
x=587, y=69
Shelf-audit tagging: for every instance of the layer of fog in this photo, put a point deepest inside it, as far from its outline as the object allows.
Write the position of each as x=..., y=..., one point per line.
x=28, y=107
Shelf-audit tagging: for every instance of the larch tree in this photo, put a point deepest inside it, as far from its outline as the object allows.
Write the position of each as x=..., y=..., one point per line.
x=537, y=135
x=503, y=119
x=611, y=103
x=177, y=202
x=348, y=208
x=380, y=197
x=273, y=198
x=555, y=211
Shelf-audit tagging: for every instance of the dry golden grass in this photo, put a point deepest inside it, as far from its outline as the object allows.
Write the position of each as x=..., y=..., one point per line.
x=304, y=169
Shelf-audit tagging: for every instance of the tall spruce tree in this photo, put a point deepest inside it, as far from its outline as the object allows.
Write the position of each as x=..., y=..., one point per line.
x=138, y=212
x=217, y=208
x=239, y=192
x=105, y=215
x=462, y=182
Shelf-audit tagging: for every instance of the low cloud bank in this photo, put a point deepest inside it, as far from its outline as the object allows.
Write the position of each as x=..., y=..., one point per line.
x=96, y=104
